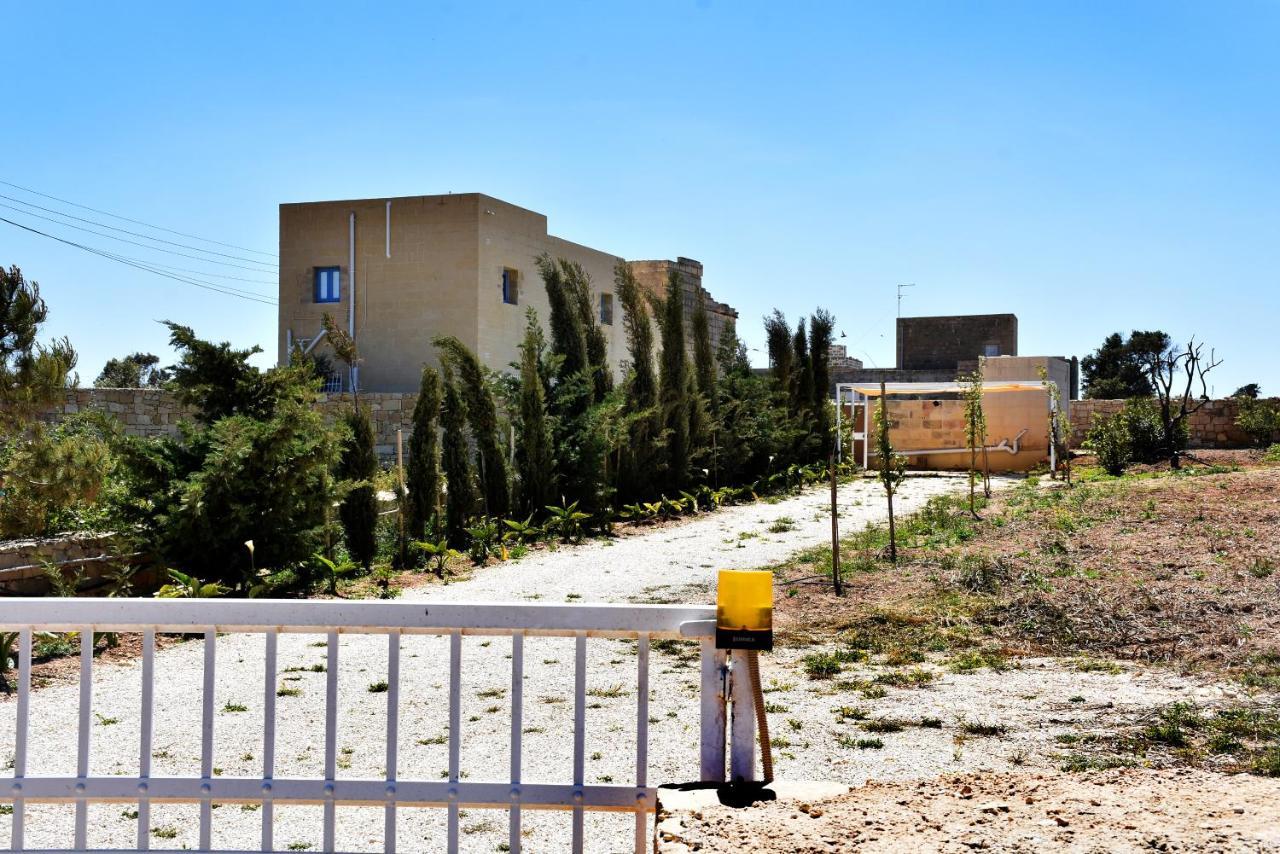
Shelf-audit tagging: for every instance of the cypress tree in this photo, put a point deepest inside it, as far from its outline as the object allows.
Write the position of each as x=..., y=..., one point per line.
x=423, y=475
x=568, y=339
x=802, y=384
x=704, y=362
x=781, y=356
x=534, y=458
x=578, y=283
x=821, y=330
x=673, y=385
x=482, y=415
x=641, y=458
x=578, y=446
x=359, y=509
x=461, y=497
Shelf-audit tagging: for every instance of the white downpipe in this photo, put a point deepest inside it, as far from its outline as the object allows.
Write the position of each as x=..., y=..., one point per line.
x=351, y=303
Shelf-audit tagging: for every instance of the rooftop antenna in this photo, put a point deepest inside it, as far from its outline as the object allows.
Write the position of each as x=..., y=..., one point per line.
x=900, y=287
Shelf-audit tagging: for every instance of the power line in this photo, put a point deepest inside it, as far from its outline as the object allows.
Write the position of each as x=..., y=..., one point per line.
x=127, y=231
x=137, y=221
x=209, y=286
x=136, y=243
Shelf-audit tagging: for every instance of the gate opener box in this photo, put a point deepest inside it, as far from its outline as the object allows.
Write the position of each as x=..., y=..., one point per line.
x=744, y=610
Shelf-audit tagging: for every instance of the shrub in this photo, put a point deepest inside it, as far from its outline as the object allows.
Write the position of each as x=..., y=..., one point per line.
x=359, y=509
x=1141, y=418
x=1259, y=419
x=1108, y=438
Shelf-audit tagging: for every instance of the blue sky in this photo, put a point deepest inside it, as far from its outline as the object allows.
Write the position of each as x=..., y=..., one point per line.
x=1089, y=166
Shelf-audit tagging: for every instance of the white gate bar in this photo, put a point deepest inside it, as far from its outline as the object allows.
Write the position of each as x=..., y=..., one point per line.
x=742, y=752
x=269, y=740
x=145, y=736
x=311, y=792
x=82, y=750
x=642, y=740
x=177, y=616
x=206, y=738
x=455, y=734
x=330, y=738
x=16, y=835
x=579, y=736
x=393, y=738
x=517, y=736
x=714, y=676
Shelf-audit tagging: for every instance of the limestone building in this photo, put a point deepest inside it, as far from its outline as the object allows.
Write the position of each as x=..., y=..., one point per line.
x=398, y=272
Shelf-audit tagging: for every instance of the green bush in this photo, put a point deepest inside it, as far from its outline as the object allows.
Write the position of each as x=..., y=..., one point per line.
x=1109, y=440
x=1141, y=418
x=1259, y=419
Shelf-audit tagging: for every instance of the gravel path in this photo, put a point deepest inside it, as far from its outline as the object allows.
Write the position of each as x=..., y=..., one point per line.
x=675, y=563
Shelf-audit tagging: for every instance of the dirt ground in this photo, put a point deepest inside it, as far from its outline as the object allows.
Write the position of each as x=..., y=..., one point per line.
x=1106, y=811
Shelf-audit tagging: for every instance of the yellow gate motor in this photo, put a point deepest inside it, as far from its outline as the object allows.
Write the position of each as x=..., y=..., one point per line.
x=744, y=610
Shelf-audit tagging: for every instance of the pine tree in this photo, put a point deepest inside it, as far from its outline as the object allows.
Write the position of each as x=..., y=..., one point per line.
x=673, y=385
x=31, y=374
x=455, y=458
x=359, y=509
x=482, y=414
x=534, y=458
x=423, y=476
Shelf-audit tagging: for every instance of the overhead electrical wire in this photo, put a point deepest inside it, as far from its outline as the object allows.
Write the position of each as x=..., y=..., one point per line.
x=144, y=245
x=137, y=221
x=227, y=290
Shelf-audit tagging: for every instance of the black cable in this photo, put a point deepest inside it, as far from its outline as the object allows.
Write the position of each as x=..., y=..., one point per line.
x=127, y=231
x=137, y=221
x=209, y=286
x=143, y=245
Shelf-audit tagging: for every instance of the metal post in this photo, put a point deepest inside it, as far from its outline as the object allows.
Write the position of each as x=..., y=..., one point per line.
x=838, y=449
x=742, y=743
x=714, y=674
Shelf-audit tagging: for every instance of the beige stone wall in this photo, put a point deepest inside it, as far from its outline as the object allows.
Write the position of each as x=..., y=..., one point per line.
x=1213, y=426
x=512, y=238
x=143, y=412
x=653, y=276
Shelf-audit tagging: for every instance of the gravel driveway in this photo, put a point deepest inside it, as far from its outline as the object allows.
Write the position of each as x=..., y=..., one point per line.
x=675, y=563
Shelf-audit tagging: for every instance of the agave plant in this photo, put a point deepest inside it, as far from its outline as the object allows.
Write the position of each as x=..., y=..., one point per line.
x=183, y=586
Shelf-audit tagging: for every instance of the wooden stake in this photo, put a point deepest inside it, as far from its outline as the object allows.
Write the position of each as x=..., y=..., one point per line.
x=401, y=496
x=835, y=532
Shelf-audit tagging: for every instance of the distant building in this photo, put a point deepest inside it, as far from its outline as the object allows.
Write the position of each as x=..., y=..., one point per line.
x=941, y=349
x=399, y=272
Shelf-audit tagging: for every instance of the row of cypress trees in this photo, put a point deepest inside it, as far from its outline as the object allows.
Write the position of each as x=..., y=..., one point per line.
x=684, y=414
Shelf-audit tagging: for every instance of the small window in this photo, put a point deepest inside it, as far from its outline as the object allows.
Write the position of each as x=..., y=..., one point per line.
x=606, y=309
x=328, y=284
x=511, y=286
x=991, y=350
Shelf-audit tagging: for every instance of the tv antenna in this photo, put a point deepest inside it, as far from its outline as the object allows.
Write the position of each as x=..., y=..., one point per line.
x=900, y=287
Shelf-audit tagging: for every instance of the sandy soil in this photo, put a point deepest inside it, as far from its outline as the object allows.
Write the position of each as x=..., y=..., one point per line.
x=1127, y=810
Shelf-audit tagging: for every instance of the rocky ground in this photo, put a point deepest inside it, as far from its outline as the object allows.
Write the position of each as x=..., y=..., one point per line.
x=1123, y=810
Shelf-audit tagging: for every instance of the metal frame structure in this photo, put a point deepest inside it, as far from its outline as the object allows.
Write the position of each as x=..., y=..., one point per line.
x=862, y=393
x=393, y=619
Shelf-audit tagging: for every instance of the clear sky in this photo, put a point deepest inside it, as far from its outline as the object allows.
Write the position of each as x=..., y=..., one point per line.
x=1091, y=167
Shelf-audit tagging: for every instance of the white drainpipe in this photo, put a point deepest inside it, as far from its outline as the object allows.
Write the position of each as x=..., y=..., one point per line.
x=351, y=304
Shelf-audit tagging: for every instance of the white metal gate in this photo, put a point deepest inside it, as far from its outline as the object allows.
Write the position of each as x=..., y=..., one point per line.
x=393, y=619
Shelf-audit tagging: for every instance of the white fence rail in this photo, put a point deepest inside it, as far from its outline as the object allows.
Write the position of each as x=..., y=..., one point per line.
x=394, y=619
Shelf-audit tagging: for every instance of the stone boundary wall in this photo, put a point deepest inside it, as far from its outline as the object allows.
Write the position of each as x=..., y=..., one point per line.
x=151, y=412
x=1213, y=426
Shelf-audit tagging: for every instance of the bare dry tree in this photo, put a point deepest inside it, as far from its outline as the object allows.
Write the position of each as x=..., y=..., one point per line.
x=1174, y=373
